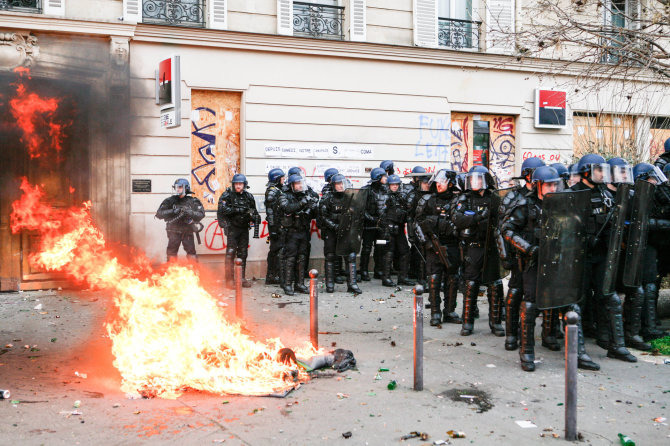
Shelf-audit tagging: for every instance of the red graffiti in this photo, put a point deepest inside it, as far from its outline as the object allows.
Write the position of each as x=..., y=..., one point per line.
x=314, y=229
x=552, y=157
x=264, y=230
x=503, y=124
x=214, y=238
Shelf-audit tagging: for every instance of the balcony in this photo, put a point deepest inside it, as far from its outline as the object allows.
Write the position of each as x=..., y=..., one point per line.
x=319, y=21
x=458, y=34
x=21, y=5
x=174, y=12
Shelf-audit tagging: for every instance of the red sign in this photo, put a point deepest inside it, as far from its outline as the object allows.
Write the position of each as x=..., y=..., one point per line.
x=550, y=108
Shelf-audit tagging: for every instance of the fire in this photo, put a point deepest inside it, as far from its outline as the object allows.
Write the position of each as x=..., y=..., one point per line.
x=169, y=335
x=33, y=112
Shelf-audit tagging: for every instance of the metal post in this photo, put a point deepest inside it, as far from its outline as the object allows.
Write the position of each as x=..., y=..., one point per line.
x=313, y=309
x=571, y=341
x=418, y=337
x=239, y=309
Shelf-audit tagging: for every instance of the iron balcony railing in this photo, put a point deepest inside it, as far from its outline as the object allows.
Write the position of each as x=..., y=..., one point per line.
x=174, y=12
x=458, y=34
x=21, y=5
x=315, y=20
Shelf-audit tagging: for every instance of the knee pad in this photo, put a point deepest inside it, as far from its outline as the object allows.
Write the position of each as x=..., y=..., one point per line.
x=242, y=253
x=351, y=258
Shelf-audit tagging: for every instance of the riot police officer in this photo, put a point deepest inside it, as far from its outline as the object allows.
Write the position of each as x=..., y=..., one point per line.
x=437, y=234
x=182, y=214
x=595, y=174
x=388, y=167
x=393, y=217
x=276, y=179
x=315, y=196
x=563, y=172
x=297, y=208
x=327, y=175
x=521, y=230
x=327, y=187
x=377, y=196
x=236, y=214
x=475, y=215
x=421, y=187
x=664, y=159
x=331, y=208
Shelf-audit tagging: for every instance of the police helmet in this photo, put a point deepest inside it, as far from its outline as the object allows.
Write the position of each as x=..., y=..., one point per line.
x=622, y=172
x=387, y=165
x=376, y=174
x=545, y=174
x=239, y=178
x=328, y=174
x=649, y=172
x=561, y=169
x=594, y=168
x=529, y=165
x=274, y=175
x=666, y=145
x=184, y=184
x=393, y=179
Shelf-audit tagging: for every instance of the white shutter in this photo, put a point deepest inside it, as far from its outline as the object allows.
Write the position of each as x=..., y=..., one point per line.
x=218, y=14
x=607, y=14
x=633, y=14
x=132, y=11
x=54, y=7
x=357, y=19
x=500, y=26
x=425, y=23
x=285, y=17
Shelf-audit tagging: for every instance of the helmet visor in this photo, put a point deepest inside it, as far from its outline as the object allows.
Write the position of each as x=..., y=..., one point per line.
x=622, y=175
x=475, y=181
x=299, y=185
x=441, y=177
x=342, y=185
x=179, y=189
x=601, y=173
x=656, y=176
x=550, y=187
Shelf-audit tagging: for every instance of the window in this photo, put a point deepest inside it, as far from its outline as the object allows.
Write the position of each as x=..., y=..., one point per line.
x=322, y=19
x=174, y=12
x=620, y=20
x=456, y=29
x=21, y=5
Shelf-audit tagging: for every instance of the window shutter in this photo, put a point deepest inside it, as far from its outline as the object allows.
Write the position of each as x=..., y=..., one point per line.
x=633, y=14
x=357, y=20
x=607, y=14
x=54, y=7
x=218, y=14
x=132, y=11
x=285, y=17
x=500, y=26
x=425, y=23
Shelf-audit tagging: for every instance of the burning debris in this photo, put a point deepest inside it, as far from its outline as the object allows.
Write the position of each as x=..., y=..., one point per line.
x=169, y=334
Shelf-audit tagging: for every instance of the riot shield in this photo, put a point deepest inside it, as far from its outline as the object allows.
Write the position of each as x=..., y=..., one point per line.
x=616, y=237
x=351, y=223
x=491, y=269
x=562, y=252
x=637, y=232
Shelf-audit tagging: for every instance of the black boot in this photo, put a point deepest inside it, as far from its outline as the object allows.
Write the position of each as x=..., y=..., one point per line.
x=527, y=350
x=449, y=314
x=649, y=329
x=512, y=318
x=602, y=325
x=288, y=268
x=300, y=263
x=584, y=361
x=632, y=310
x=434, y=299
x=548, y=330
x=340, y=274
x=617, y=349
x=365, y=264
x=271, y=276
x=403, y=269
x=378, y=256
x=387, y=261
x=245, y=283
x=495, y=297
x=329, y=267
x=352, y=286
x=469, y=301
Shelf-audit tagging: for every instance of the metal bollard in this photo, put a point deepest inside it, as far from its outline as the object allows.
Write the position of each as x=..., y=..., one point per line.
x=239, y=309
x=313, y=309
x=418, y=337
x=571, y=333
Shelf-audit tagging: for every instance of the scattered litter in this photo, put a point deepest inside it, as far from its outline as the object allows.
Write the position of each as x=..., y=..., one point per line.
x=456, y=434
x=666, y=361
x=115, y=405
x=473, y=344
x=537, y=361
x=81, y=375
x=378, y=377
x=441, y=442
x=467, y=396
x=5, y=394
x=625, y=440
x=392, y=385
x=372, y=394
x=219, y=441
x=414, y=434
x=137, y=412
x=346, y=434
x=69, y=413
x=222, y=304
x=133, y=396
x=383, y=369
x=9, y=345
x=526, y=424
x=392, y=343
x=266, y=310
x=491, y=366
x=660, y=420
x=342, y=396
x=275, y=295
x=54, y=339
x=77, y=404
x=38, y=307
x=225, y=402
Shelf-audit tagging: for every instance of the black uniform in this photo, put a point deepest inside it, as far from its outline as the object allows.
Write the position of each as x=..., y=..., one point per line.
x=182, y=216
x=272, y=194
x=474, y=216
x=297, y=210
x=376, y=198
x=608, y=308
x=235, y=214
x=417, y=263
x=339, y=272
x=392, y=219
x=433, y=215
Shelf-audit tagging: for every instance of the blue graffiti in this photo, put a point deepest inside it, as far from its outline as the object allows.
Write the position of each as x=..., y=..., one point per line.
x=205, y=173
x=434, y=139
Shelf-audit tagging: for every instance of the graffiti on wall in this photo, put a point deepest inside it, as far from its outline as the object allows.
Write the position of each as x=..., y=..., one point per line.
x=502, y=147
x=434, y=139
x=461, y=141
x=215, y=143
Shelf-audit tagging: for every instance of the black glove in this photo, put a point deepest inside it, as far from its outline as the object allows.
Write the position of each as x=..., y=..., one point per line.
x=483, y=214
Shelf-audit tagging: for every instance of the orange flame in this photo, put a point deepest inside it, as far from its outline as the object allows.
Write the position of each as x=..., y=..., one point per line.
x=33, y=112
x=169, y=334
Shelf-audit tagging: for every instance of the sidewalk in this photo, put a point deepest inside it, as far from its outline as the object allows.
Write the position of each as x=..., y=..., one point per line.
x=66, y=336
